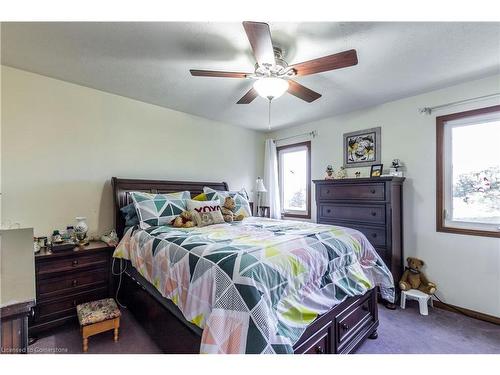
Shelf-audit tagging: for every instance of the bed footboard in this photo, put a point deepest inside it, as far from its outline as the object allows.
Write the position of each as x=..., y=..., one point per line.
x=341, y=330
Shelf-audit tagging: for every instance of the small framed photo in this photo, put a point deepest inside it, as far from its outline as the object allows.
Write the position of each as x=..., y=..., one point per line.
x=376, y=170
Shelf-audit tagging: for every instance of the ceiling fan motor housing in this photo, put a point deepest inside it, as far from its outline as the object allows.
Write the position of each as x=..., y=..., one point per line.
x=280, y=69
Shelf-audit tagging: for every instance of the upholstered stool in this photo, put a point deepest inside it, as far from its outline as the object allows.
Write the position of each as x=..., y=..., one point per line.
x=421, y=297
x=96, y=317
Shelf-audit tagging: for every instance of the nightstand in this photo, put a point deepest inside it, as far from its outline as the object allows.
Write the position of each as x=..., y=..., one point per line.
x=69, y=278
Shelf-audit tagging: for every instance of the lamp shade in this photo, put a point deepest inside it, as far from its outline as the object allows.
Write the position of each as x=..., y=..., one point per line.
x=270, y=87
x=259, y=186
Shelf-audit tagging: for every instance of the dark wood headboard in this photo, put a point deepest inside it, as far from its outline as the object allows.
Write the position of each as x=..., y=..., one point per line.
x=121, y=187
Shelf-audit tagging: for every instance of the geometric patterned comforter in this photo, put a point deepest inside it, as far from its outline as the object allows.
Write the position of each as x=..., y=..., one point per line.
x=254, y=286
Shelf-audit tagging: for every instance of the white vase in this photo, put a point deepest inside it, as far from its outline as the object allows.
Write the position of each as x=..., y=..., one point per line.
x=81, y=227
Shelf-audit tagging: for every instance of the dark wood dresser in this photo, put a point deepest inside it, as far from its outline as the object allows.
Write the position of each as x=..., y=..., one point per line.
x=66, y=279
x=371, y=205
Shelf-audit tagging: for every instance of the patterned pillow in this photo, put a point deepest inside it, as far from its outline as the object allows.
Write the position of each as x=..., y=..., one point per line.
x=242, y=206
x=159, y=209
x=203, y=219
x=201, y=197
x=203, y=206
x=129, y=213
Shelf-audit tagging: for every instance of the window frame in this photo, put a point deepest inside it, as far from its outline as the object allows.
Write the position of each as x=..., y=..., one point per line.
x=441, y=160
x=308, y=177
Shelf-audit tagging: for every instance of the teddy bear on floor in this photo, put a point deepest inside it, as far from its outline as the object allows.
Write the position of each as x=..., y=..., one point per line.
x=184, y=220
x=413, y=278
x=227, y=211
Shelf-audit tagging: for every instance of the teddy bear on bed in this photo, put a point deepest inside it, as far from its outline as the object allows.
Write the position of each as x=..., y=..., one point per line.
x=413, y=278
x=184, y=220
x=227, y=211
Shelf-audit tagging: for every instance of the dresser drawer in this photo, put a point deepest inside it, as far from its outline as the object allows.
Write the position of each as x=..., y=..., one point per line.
x=376, y=235
x=353, y=212
x=350, y=323
x=75, y=262
x=66, y=306
x=318, y=343
x=354, y=191
x=71, y=283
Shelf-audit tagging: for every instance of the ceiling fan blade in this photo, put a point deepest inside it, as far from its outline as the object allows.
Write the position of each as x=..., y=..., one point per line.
x=302, y=92
x=214, y=73
x=248, y=97
x=323, y=64
x=259, y=35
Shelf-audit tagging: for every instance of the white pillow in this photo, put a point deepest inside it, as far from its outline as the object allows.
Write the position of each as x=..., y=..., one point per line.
x=203, y=219
x=203, y=206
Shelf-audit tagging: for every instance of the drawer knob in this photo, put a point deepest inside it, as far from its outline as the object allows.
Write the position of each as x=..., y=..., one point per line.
x=328, y=211
x=374, y=213
x=74, y=282
x=320, y=350
x=374, y=235
x=74, y=302
x=372, y=191
x=328, y=192
x=345, y=326
x=75, y=262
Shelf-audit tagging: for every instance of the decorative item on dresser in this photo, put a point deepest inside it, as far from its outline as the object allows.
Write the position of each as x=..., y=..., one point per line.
x=372, y=206
x=66, y=279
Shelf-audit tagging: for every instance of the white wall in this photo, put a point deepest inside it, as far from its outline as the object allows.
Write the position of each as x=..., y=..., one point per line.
x=466, y=268
x=62, y=143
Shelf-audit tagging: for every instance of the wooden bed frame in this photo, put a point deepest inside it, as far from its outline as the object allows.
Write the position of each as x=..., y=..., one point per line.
x=340, y=330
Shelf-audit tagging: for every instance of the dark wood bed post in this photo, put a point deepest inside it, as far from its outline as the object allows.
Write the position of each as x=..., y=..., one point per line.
x=340, y=330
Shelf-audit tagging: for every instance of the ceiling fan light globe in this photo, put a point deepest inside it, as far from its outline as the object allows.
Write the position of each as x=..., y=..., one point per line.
x=270, y=87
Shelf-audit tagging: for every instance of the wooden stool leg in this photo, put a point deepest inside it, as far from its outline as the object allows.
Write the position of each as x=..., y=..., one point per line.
x=117, y=326
x=85, y=344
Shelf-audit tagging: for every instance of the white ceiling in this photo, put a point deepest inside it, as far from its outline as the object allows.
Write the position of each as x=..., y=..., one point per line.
x=151, y=61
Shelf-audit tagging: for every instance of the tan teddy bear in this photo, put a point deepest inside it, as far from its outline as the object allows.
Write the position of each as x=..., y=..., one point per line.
x=227, y=211
x=413, y=278
x=184, y=220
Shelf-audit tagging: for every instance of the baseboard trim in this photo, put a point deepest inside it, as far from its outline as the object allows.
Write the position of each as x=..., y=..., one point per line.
x=471, y=313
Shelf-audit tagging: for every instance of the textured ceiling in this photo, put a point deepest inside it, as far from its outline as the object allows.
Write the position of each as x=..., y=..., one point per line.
x=150, y=62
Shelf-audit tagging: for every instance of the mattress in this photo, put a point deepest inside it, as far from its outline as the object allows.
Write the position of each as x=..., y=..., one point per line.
x=255, y=286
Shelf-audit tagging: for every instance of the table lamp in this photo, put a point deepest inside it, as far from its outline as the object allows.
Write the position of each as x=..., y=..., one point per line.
x=259, y=189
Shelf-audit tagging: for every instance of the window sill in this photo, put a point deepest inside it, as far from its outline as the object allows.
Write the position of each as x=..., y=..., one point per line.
x=295, y=216
x=470, y=232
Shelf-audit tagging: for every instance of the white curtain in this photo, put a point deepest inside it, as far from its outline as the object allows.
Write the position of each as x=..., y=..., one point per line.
x=272, y=197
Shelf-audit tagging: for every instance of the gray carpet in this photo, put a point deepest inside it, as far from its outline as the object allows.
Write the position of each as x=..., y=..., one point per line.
x=400, y=332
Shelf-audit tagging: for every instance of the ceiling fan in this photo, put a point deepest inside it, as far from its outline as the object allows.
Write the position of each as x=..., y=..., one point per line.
x=273, y=74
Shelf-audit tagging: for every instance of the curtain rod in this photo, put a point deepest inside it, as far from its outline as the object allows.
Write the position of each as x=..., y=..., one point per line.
x=428, y=110
x=313, y=134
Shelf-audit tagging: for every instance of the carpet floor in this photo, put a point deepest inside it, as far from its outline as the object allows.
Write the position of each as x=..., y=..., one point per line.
x=400, y=332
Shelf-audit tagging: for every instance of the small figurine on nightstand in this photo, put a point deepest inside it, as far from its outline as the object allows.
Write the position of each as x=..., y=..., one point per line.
x=329, y=173
x=357, y=174
x=341, y=173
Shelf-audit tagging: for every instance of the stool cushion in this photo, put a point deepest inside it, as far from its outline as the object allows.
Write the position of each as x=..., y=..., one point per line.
x=97, y=311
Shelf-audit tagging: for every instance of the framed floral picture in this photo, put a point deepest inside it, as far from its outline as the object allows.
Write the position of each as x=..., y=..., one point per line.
x=362, y=148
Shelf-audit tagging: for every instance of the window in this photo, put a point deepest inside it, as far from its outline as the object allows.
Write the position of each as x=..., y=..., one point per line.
x=294, y=168
x=468, y=172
